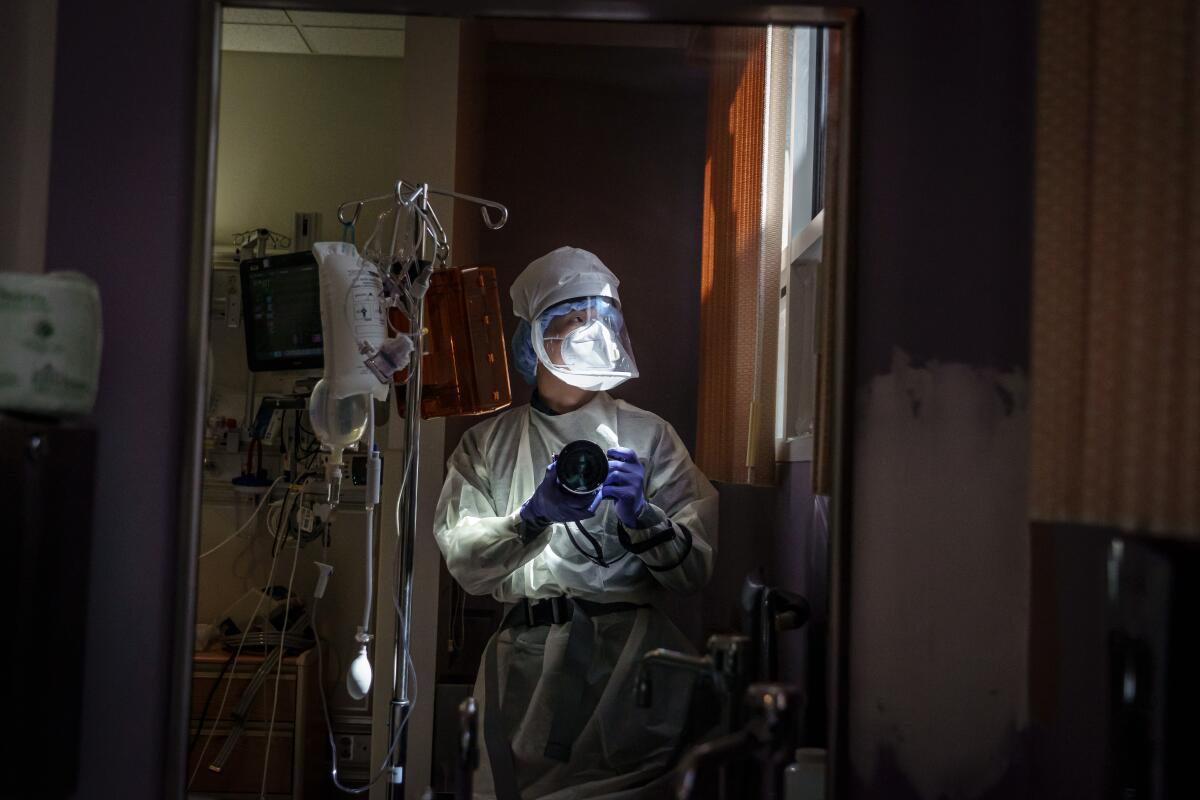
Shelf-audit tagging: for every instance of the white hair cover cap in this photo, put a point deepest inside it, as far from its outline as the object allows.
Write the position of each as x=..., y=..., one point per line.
x=562, y=274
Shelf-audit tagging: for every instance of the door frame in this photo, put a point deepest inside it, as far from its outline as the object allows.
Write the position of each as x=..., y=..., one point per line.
x=841, y=243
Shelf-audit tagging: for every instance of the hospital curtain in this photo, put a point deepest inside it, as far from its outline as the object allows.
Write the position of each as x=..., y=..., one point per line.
x=1116, y=329
x=739, y=284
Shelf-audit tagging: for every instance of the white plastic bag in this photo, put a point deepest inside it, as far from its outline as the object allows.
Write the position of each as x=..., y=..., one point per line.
x=351, y=314
x=49, y=342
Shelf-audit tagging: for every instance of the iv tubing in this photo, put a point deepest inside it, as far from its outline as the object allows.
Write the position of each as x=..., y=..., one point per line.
x=385, y=768
x=371, y=495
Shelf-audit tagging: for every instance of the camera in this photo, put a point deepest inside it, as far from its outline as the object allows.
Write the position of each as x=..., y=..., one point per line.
x=581, y=467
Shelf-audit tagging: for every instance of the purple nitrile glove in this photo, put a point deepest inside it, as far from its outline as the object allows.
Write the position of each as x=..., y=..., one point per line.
x=624, y=485
x=552, y=503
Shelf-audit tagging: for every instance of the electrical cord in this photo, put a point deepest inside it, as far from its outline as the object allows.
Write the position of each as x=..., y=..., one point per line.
x=212, y=692
x=241, y=642
x=287, y=607
x=246, y=524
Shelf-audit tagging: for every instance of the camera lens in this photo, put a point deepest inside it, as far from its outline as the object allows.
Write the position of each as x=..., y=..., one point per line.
x=581, y=467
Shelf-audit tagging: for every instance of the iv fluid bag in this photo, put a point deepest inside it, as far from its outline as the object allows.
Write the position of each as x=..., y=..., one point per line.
x=350, y=314
x=337, y=422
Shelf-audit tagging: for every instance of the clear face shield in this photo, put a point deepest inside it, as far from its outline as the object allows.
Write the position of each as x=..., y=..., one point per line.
x=584, y=343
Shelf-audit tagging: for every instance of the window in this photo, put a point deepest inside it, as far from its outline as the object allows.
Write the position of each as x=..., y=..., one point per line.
x=800, y=263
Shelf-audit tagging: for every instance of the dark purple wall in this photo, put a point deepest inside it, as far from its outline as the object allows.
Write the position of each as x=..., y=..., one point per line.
x=945, y=200
x=938, y=550
x=120, y=211
x=602, y=148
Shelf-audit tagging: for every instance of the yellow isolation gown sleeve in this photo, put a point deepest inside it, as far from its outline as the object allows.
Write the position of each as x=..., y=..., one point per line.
x=482, y=544
x=680, y=498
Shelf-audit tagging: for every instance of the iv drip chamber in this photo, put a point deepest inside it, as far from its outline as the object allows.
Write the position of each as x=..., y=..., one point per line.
x=337, y=422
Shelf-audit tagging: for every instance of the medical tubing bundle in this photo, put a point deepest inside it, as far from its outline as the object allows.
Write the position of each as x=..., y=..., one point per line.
x=236, y=655
x=231, y=665
x=281, y=527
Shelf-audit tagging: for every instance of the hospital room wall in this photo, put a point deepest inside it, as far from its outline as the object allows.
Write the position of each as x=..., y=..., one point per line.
x=27, y=64
x=304, y=133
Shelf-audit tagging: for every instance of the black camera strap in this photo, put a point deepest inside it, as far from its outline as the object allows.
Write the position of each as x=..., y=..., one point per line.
x=597, y=555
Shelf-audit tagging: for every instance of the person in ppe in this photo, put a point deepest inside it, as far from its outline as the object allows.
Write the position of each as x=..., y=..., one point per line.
x=579, y=574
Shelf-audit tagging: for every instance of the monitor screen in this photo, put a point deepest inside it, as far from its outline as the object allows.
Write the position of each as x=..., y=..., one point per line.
x=281, y=298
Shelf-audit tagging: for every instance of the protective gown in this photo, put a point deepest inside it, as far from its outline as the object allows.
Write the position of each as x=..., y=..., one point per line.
x=621, y=750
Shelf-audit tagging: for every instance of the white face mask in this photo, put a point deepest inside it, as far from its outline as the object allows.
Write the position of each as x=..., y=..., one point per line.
x=592, y=348
x=595, y=355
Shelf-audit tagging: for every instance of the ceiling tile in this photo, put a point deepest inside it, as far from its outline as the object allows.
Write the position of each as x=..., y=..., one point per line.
x=262, y=38
x=329, y=19
x=356, y=42
x=255, y=16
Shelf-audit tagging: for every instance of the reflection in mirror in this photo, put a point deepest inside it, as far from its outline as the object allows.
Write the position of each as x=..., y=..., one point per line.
x=401, y=586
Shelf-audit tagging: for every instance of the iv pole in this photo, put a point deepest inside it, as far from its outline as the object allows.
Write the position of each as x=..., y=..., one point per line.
x=401, y=701
x=425, y=223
